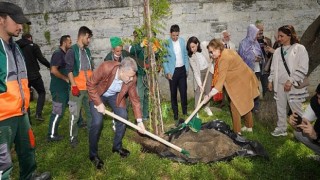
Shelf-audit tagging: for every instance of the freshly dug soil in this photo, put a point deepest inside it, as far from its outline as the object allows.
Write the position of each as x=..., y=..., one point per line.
x=208, y=145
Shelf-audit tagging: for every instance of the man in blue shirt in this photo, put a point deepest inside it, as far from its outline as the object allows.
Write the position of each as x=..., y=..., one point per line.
x=59, y=87
x=176, y=66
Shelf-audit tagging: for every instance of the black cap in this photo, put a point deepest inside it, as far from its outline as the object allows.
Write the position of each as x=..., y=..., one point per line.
x=318, y=89
x=15, y=12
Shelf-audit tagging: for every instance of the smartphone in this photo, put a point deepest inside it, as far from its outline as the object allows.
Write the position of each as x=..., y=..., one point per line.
x=298, y=119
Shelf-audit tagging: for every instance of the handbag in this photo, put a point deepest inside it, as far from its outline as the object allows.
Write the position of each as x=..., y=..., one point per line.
x=304, y=83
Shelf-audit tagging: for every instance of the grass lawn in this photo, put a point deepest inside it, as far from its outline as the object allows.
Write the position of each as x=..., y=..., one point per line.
x=288, y=158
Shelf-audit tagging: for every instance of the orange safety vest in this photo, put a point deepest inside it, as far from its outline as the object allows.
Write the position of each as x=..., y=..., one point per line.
x=14, y=90
x=81, y=76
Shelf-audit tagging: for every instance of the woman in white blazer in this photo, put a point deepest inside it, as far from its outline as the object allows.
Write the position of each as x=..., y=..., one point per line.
x=200, y=62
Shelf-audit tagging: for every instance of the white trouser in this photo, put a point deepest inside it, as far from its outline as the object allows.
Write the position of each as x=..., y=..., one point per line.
x=282, y=101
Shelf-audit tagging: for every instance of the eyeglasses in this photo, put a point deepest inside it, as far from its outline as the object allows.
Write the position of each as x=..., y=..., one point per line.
x=210, y=53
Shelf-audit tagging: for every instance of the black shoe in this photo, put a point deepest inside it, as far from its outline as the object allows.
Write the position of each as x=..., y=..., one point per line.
x=97, y=162
x=42, y=176
x=39, y=117
x=83, y=125
x=122, y=152
x=74, y=143
x=55, y=138
x=178, y=122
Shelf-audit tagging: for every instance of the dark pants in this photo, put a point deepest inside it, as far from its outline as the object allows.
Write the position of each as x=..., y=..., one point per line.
x=143, y=91
x=264, y=83
x=97, y=124
x=37, y=84
x=17, y=130
x=179, y=80
x=256, y=100
x=59, y=104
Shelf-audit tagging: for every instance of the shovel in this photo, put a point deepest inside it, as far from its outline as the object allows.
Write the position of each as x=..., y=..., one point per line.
x=192, y=122
x=183, y=151
x=204, y=85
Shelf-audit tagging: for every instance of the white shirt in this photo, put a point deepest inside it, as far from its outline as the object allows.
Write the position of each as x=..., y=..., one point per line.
x=203, y=64
x=115, y=87
x=256, y=64
x=177, y=52
x=309, y=114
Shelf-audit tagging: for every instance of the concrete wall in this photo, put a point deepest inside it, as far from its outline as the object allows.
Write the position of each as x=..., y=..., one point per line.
x=202, y=18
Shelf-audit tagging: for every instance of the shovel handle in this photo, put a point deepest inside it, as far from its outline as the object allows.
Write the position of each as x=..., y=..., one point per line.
x=194, y=112
x=145, y=132
x=204, y=86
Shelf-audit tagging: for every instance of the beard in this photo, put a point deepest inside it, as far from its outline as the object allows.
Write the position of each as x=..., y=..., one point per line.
x=11, y=33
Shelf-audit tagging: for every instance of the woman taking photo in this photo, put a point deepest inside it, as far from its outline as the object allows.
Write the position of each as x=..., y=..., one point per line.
x=199, y=64
x=283, y=79
x=239, y=81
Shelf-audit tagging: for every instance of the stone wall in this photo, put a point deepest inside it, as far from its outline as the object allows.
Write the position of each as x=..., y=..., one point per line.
x=202, y=18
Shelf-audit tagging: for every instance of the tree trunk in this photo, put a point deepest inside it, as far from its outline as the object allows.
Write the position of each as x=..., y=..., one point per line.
x=311, y=40
x=154, y=92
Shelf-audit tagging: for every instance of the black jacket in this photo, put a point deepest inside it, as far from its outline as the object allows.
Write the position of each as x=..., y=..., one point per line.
x=32, y=55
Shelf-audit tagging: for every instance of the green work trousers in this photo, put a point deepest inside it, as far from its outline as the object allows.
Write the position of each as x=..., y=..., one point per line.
x=75, y=104
x=17, y=130
x=143, y=92
x=59, y=103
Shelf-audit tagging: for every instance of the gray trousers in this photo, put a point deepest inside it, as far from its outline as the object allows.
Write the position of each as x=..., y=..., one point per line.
x=282, y=101
x=207, y=87
x=306, y=141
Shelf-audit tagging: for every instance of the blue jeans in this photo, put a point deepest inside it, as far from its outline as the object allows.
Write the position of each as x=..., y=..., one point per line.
x=96, y=125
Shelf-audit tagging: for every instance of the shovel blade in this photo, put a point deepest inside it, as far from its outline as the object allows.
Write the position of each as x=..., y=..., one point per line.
x=195, y=124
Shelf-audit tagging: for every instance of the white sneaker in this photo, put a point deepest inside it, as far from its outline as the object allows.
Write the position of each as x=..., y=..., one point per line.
x=278, y=133
x=208, y=111
x=245, y=129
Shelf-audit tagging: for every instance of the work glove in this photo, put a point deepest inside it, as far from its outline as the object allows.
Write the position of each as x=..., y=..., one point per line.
x=75, y=91
x=101, y=108
x=141, y=125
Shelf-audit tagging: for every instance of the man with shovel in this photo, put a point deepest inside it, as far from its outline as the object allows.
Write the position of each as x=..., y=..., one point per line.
x=110, y=83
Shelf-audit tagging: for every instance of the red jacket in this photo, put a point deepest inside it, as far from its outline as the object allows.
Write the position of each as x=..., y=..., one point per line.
x=102, y=79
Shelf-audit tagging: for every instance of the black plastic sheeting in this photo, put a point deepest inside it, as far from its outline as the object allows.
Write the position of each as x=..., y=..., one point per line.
x=249, y=148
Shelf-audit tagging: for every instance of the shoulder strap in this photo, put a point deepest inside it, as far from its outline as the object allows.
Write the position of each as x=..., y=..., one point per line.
x=284, y=61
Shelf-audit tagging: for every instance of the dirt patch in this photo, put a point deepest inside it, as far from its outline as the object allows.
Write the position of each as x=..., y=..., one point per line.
x=208, y=145
x=267, y=114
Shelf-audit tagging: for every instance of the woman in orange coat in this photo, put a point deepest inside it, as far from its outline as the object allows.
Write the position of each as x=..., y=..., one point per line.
x=239, y=81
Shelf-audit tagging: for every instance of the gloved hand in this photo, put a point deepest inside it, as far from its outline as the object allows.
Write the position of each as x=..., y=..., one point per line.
x=208, y=96
x=101, y=108
x=75, y=91
x=141, y=125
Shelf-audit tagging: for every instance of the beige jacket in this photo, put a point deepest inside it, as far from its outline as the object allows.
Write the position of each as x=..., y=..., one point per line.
x=238, y=79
